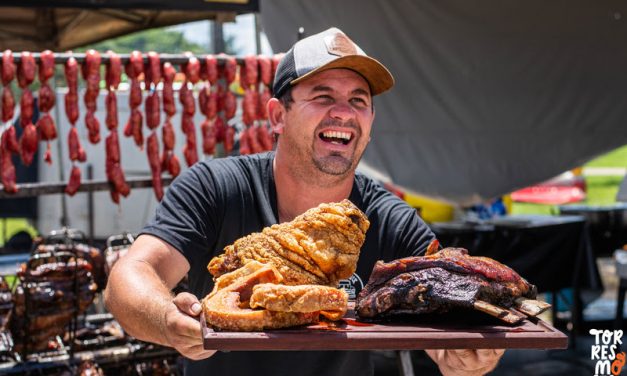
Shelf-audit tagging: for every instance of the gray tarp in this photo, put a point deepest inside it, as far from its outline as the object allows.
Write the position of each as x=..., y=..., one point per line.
x=490, y=96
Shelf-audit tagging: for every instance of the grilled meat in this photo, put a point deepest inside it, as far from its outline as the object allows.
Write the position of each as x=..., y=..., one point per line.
x=440, y=282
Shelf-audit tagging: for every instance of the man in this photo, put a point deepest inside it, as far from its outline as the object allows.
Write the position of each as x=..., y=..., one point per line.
x=322, y=113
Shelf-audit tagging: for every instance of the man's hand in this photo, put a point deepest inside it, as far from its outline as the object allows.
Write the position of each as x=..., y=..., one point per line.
x=465, y=362
x=181, y=327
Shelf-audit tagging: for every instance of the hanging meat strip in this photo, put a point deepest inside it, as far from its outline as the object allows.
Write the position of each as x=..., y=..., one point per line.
x=168, y=135
x=111, y=104
x=46, y=65
x=186, y=97
x=249, y=74
x=153, y=111
x=8, y=104
x=75, y=181
x=265, y=70
x=264, y=136
x=45, y=124
x=191, y=69
x=7, y=169
x=25, y=76
x=250, y=103
x=113, y=72
x=28, y=144
x=169, y=72
x=229, y=69
x=77, y=153
x=190, y=151
x=10, y=142
x=134, y=68
x=208, y=137
x=91, y=74
x=8, y=74
x=169, y=160
x=229, y=139
x=114, y=172
x=211, y=69
x=230, y=105
x=71, y=98
x=113, y=167
x=152, y=150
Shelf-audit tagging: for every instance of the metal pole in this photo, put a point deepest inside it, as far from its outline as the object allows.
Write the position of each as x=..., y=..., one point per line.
x=62, y=57
x=63, y=220
x=90, y=205
x=218, y=37
x=37, y=189
x=257, y=34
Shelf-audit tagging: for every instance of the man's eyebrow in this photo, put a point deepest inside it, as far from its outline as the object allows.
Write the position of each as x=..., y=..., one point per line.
x=324, y=88
x=360, y=92
x=321, y=88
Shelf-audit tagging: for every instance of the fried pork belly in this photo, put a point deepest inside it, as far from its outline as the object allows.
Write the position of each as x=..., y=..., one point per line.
x=320, y=246
x=228, y=308
x=331, y=302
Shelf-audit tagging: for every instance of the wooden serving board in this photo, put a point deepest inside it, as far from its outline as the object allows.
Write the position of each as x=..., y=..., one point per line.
x=349, y=334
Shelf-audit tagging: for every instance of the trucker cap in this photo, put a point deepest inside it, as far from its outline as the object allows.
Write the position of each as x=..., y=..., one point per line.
x=328, y=50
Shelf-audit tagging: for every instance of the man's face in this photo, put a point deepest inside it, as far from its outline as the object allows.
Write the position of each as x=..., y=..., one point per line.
x=328, y=124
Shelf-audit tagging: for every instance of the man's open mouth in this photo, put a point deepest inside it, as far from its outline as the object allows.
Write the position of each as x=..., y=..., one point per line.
x=335, y=137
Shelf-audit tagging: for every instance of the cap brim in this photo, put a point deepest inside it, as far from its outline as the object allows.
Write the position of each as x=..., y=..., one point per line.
x=378, y=76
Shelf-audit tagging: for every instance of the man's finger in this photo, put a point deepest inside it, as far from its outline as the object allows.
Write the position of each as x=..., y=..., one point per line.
x=188, y=304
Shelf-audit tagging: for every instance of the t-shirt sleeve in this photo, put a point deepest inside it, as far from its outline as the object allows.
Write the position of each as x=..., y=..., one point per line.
x=413, y=235
x=185, y=217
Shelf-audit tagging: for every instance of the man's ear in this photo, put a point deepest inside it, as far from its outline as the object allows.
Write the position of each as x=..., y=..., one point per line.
x=276, y=115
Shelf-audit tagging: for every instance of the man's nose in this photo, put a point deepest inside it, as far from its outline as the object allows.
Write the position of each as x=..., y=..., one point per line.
x=342, y=111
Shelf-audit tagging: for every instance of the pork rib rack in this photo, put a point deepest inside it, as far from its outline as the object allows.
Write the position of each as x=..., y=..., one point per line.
x=445, y=280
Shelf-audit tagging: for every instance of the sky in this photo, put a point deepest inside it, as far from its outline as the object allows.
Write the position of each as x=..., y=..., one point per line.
x=243, y=30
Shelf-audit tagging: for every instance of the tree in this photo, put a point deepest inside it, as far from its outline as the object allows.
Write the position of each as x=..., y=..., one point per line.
x=158, y=40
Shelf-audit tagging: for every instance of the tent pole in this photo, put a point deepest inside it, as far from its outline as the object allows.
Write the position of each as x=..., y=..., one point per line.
x=257, y=33
x=63, y=220
x=218, y=37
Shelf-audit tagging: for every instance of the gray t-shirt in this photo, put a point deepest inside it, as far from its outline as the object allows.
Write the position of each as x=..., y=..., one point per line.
x=216, y=202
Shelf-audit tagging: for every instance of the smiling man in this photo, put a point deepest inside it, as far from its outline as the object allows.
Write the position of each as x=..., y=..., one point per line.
x=322, y=113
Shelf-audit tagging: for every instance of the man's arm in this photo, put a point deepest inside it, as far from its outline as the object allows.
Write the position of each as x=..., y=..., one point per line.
x=139, y=295
x=465, y=362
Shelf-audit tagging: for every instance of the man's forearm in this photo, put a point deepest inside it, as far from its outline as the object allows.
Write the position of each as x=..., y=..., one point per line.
x=138, y=299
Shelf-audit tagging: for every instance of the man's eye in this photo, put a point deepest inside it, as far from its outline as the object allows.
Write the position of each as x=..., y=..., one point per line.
x=359, y=101
x=323, y=98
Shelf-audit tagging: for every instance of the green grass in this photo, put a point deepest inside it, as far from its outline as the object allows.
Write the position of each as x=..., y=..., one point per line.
x=615, y=158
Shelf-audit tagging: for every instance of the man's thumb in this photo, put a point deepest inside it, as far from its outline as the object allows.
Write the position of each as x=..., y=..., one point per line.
x=188, y=303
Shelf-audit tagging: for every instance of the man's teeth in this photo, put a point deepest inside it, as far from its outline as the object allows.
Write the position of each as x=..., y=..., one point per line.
x=334, y=134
